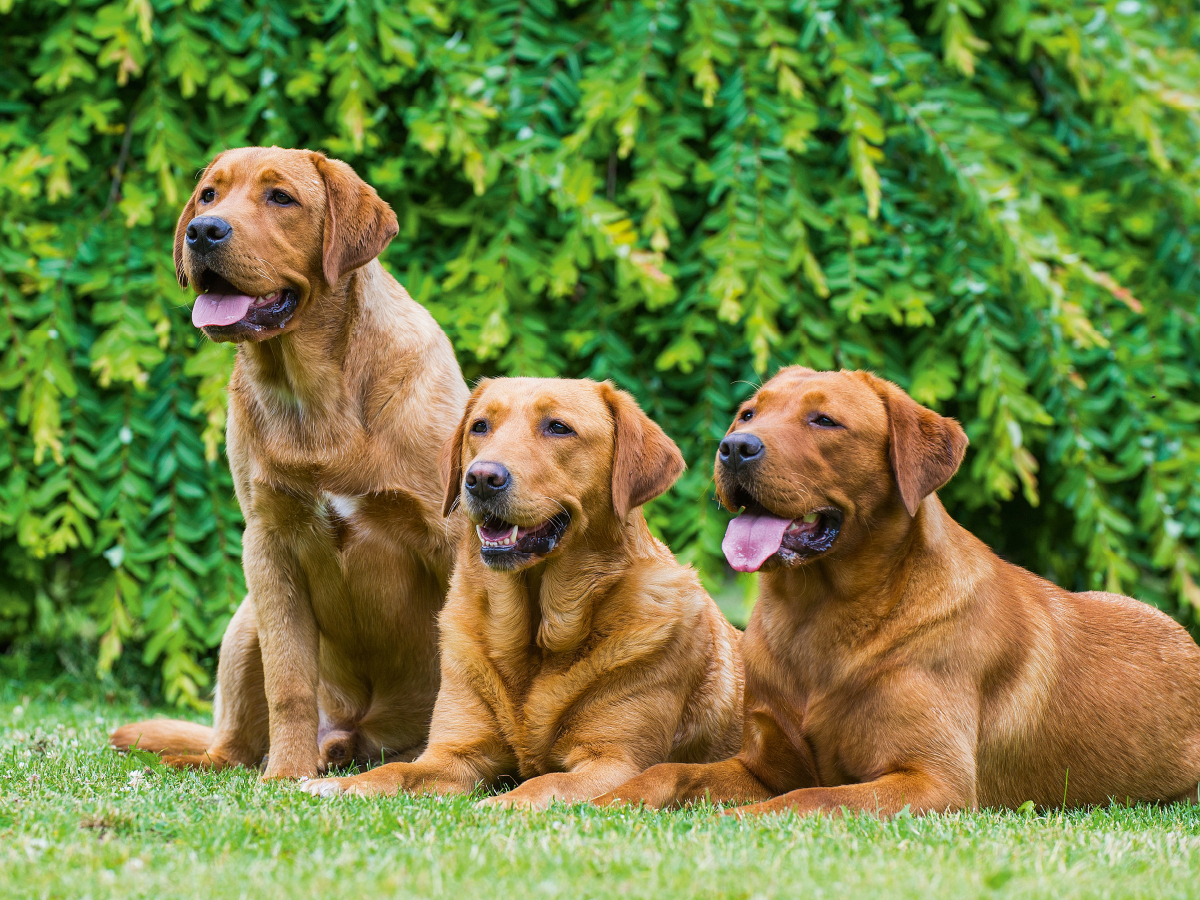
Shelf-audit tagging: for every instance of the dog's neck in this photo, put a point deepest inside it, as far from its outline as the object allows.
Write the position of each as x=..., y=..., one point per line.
x=303, y=370
x=867, y=585
x=549, y=606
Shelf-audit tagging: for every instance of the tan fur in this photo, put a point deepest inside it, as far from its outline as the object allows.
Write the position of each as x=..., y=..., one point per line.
x=909, y=665
x=335, y=422
x=590, y=663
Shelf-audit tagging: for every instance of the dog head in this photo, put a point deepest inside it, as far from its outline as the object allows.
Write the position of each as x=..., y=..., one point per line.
x=267, y=235
x=816, y=458
x=542, y=464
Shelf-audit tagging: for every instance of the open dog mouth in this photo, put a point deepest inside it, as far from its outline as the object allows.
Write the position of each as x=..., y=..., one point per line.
x=506, y=544
x=757, y=534
x=222, y=310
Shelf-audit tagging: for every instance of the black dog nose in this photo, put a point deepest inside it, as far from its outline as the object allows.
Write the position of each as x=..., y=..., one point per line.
x=740, y=447
x=206, y=233
x=485, y=479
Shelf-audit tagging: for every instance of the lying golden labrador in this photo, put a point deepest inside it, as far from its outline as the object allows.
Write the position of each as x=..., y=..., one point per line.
x=892, y=660
x=342, y=391
x=575, y=650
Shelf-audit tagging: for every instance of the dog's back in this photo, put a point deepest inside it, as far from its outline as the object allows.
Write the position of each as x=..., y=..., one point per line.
x=1103, y=706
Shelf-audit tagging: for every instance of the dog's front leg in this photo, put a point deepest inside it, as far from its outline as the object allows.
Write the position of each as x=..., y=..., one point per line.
x=886, y=796
x=577, y=786
x=670, y=785
x=768, y=765
x=287, y=632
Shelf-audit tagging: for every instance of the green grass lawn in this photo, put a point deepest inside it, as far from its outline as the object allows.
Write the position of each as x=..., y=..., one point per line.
x=77, y=820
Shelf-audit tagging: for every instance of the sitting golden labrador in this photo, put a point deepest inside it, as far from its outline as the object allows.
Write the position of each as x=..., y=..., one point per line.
x=893, y=660
x=575, y=650
x=342, y=387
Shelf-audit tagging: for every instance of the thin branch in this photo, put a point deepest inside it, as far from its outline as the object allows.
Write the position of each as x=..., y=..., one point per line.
x=122, y=159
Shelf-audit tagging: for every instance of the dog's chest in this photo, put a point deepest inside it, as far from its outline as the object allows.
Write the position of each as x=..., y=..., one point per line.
x=357, y=545
x=341, y=515
x=533, y=714
x=810, y=708
x=381, y=524
x=334, y=520
x=537, y=736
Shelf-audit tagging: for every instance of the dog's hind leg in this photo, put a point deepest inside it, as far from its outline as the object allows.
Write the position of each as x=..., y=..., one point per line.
x=239, y=734
x=163, y=736
x=338, y=750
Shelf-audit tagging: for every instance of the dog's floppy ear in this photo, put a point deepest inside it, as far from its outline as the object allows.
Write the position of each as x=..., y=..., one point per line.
x=925, y=449
x=645, y=461
x=358, y=224
x=450, y=459
x=185, y=219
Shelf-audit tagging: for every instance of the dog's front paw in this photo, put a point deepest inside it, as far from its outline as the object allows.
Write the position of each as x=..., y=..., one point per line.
x=612, y=799
x=653, y=789
x=283, y=769
x=516, y=799
x=328, y=787
x=774, y=805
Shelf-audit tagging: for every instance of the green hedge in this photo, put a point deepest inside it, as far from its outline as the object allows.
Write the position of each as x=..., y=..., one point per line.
x=993, y=202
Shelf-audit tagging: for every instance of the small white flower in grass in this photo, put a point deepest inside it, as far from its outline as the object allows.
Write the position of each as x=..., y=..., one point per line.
x=136, y=777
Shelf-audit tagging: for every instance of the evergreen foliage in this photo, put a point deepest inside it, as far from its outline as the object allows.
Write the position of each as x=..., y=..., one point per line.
x=992, y=202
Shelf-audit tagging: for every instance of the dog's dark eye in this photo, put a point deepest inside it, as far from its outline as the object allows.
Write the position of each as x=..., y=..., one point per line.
x=208, y=195
x=747, y=415
x=281, y=198
x=559, y=428
x=823, y=421
x=479, y=427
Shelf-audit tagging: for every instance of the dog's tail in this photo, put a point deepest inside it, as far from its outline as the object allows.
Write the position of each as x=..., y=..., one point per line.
x=168, y=736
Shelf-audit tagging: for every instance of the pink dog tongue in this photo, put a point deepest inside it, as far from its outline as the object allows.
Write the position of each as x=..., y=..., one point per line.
x=750, y=539
x=220, y=309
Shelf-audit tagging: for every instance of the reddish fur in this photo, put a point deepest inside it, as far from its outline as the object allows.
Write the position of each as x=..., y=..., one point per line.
x=587, y=665
x=910, y=666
